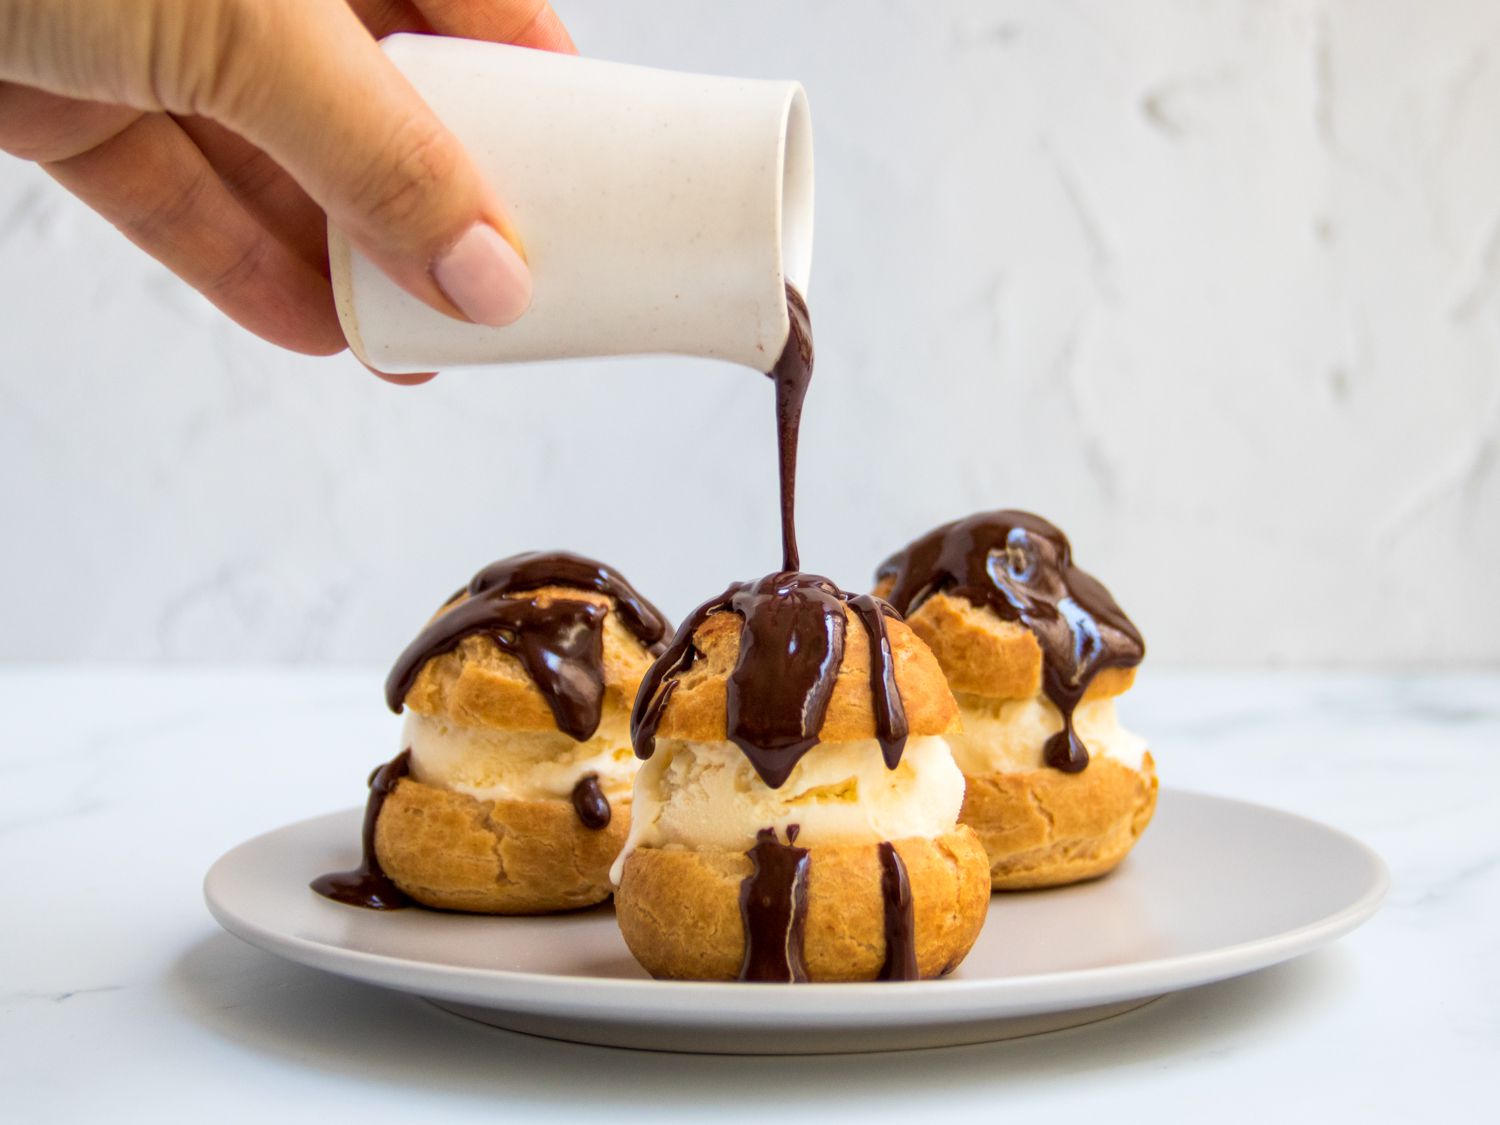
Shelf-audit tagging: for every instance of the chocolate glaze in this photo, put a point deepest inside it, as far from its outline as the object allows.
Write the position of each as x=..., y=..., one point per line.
x=367, y=885
x=1021, y=566
x=773, y=907
x=590, y=803
x=791, y=647
x=561, y=644
x=900, y=928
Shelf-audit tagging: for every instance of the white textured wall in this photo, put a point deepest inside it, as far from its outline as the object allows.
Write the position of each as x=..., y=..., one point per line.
x=1215, y=285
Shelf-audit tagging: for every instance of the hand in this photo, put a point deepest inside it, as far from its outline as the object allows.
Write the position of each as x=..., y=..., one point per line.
x=221, y=135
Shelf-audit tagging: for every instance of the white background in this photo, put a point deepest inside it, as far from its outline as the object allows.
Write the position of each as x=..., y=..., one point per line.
x=1216, y=286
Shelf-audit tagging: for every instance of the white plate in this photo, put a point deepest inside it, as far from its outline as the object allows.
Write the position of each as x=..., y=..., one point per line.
x=1216, y=888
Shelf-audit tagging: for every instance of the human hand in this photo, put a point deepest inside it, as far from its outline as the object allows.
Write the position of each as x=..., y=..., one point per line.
x=220, y=136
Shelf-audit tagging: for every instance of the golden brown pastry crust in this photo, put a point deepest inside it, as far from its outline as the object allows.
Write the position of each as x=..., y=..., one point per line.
x=697, y=708
x=477, y=685
x=449, y=850
x=1044, y=828
x=679, y=910
x=983, y=654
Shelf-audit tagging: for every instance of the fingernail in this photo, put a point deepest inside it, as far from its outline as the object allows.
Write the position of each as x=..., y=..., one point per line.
x=483, y=275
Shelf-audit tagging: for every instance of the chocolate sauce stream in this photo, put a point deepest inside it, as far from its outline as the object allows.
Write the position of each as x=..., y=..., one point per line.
x=792, y=642
x=367, y=885
x=561, y=645
x=590, y=803
x=792, y=374
x=900, y=927
x=791, y=647
x=1021, y=566
x=773, y=907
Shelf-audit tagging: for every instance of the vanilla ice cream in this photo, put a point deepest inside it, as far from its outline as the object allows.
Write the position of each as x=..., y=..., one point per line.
x=490, y=764
x=1005, y=736
x=707, y=795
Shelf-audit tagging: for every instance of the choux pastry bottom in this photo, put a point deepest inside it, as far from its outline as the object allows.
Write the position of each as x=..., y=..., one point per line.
x=679, y=909
x=449, y=850
x=1044, y=828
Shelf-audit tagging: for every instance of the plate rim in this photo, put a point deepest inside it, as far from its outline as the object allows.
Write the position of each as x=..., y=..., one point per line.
x=948, y=999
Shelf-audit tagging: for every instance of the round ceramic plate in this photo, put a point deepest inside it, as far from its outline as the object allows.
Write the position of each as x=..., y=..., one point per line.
x=1216, y=888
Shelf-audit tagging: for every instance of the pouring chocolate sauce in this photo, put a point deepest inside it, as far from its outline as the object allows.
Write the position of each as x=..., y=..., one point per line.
x=791, y=646
x=792, y=375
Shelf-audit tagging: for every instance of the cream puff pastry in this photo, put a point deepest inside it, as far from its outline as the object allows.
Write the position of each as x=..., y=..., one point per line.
x=1036, y=652
x=797, y=814
x=512, y=795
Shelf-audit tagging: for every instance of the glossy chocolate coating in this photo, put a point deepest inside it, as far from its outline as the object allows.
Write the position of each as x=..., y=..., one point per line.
x=1021, y=567
x=900, y=925
x=590, y=803
x=773, y=907
x=560, y=644
x=791, y=646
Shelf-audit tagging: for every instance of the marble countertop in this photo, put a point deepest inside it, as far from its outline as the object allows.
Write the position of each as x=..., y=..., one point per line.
x=121, y=1000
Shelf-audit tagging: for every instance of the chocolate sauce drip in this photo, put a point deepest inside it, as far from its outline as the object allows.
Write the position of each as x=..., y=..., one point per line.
x=590, y=803
x=891, y=727
x=900, y=929
x=790, y=650
x=792, y=374
x=367, y=885
x=791, y=647
x=1021, y=567
x=561, y=645
x=773, y=907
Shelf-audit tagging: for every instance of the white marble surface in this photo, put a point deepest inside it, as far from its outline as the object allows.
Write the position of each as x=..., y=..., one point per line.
x=1205, y=280
x=121, y=1001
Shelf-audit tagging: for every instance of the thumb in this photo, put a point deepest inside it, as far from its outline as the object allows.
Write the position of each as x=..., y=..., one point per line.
x=313, y=89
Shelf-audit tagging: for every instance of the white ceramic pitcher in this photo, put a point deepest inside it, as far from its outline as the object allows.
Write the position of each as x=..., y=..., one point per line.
x=661, y=212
